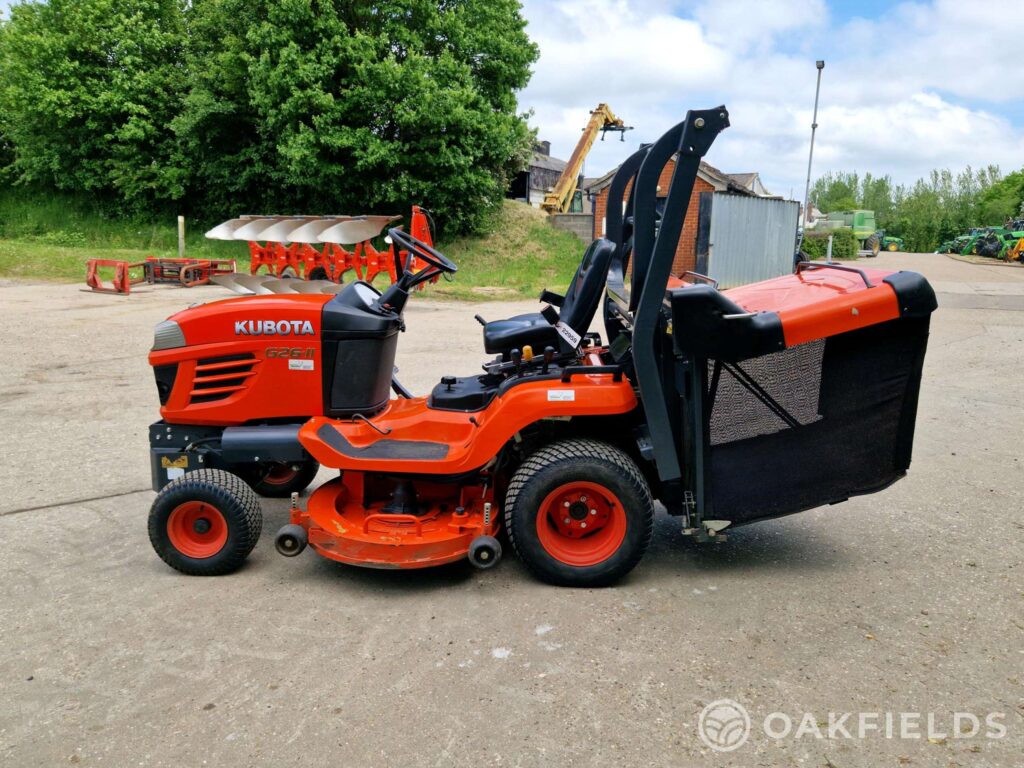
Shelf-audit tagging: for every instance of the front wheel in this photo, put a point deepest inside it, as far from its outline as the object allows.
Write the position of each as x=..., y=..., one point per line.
x=205, y=523
x=579, y=513
x=873, y=244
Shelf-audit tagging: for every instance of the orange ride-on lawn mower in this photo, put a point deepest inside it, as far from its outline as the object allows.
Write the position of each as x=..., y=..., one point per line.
x=728, y=407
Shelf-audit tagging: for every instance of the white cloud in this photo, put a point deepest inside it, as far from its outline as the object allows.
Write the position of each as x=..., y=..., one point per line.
x=919, y=87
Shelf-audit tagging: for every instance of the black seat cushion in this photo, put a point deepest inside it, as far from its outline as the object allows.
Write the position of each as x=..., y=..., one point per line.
x=516, y=332
x=577, y=309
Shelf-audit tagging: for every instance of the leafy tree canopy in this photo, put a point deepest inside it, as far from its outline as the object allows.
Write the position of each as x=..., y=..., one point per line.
x=931, y=210
x=224, y=106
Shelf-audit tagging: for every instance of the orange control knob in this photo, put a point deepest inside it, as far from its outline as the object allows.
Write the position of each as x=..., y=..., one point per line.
x=527, y=352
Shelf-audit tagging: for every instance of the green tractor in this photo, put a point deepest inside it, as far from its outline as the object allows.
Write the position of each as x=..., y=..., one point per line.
x=863, y=225
x=1000, y=242
x=889, y=242
x=956, y=245
x=967, y=245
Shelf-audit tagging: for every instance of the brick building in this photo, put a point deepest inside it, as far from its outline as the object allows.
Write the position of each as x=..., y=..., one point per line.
x=709, y=179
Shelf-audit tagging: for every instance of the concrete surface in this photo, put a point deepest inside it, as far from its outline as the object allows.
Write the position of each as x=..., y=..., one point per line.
x=911, y=600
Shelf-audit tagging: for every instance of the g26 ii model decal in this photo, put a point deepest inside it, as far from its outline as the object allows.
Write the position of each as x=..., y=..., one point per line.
x=291, y=352
x=273, y=328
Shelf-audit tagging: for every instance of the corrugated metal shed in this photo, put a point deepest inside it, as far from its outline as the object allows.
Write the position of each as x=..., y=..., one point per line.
x=750, y=239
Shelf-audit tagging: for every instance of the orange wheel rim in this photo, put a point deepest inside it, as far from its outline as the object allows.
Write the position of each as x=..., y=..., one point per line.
x=280, y=474
x=581, y=523
x=197, y=529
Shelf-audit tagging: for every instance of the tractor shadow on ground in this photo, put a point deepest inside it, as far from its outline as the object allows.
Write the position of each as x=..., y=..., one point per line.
x=783, y=545
x=773, y=545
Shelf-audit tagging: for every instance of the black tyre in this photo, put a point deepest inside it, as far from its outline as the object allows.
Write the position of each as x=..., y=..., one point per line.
x=277, y=481
x=872, y=244
x=205, y=523
x=484, y=552
x=291, y=540
x=317, y=273
x=579, y=513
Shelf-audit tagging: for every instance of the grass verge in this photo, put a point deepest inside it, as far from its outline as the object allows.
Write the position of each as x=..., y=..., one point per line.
x=51, y=238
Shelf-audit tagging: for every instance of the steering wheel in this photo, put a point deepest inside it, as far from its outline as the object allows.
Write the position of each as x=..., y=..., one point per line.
x=423, y=251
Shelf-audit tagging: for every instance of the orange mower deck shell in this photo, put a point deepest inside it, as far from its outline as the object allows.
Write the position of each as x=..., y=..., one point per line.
x=459, y=441
x=342, y=526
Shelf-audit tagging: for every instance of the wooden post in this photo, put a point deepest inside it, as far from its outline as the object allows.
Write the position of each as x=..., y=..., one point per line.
x=181, y=237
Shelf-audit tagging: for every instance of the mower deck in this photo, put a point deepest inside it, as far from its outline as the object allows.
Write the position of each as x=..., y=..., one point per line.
x=345, y=523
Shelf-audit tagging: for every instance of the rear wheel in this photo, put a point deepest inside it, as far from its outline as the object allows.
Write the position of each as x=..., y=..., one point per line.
x=205, y=523
x=872, y=244
x=579, y=513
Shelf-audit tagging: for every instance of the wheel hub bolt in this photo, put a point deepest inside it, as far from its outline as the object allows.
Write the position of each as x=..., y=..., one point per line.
x=583, y=525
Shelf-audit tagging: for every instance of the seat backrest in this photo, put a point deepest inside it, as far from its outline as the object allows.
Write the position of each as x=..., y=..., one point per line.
x=585, y=290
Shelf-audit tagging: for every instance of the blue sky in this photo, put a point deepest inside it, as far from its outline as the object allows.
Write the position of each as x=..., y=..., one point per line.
x=900, y=93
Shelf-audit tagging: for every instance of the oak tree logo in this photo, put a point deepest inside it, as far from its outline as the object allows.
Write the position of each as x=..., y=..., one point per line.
x=724, y=725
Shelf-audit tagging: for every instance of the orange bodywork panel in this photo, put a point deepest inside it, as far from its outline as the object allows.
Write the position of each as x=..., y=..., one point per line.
x=421, y=439
x=245, y=357
x=817, y=303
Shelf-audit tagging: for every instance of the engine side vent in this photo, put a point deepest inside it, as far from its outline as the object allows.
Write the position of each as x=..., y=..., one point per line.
x=218, y=378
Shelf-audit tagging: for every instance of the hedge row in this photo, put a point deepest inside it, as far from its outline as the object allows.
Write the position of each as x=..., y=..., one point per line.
x=844, y=244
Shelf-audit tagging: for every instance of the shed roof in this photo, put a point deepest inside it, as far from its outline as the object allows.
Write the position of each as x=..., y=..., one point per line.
x=548, y=163
x=722, y=182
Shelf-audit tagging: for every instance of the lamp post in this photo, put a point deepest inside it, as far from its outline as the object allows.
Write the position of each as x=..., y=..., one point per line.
x=820, y=64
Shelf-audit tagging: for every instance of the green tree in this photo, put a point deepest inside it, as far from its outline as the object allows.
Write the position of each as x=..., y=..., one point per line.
x=836, y=191
x=88, y=89
x=1003, y=199
x=935, y=208
x=351, y=106
x=919, y=217
x=222, y=106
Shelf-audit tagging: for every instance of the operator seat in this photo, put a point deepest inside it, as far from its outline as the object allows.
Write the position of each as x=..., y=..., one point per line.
x=577, y=308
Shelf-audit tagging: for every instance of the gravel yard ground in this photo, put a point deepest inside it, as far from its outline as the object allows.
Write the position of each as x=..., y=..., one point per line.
x=907, y=601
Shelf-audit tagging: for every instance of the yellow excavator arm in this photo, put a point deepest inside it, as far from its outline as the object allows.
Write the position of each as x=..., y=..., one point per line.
x=560, y=197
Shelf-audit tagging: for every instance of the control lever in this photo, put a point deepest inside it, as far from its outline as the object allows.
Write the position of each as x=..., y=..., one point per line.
x=549, y=355
x=517, y=358
x=480, y=320
x=449, y=382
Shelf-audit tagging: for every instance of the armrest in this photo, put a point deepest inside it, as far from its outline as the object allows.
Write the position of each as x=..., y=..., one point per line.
x=555, y=299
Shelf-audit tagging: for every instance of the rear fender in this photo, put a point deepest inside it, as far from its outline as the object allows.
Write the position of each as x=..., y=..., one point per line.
x=410, y=437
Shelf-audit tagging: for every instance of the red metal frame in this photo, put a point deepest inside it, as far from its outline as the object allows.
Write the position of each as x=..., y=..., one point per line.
x=122, y=281
x=156, y=269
